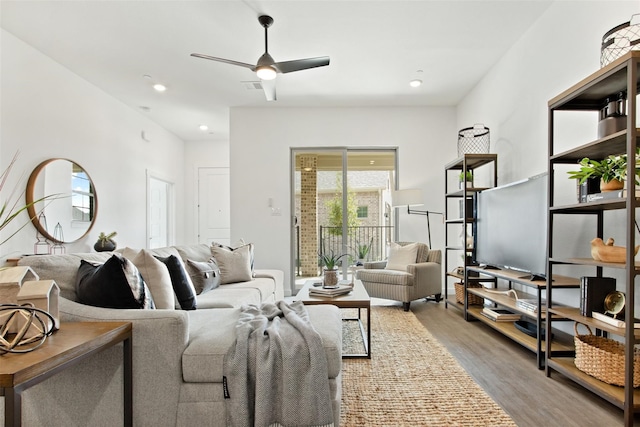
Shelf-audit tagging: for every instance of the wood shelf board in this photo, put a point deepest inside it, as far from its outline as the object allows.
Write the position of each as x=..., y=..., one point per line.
x=504, y=300
x=589, y=208
x=590, y=92
x=616, y=143
x=472, y=161
x=593, y=263
x=451, y=301
x=455, y=275
x=470, y=191
x=509, y=330
x=614, y=394
x=573, y=313
x=559, y=281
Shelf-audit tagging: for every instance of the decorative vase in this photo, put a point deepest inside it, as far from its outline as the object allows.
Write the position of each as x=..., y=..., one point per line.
x=105, y=246
x=612, y=185
x=330, y=277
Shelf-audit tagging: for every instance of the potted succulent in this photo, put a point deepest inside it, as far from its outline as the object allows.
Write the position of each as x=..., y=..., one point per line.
x=329, y=260
x=362, y=251
x=466, y=179
x=105, y=242
x=611, y=171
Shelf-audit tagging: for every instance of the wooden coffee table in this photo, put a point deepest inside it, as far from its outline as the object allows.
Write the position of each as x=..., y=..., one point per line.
x=358, y=298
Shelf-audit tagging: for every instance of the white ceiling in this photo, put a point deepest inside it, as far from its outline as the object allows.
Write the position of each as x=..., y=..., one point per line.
x=375, y=47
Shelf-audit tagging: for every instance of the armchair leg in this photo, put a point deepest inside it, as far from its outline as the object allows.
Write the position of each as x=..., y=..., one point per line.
x=436, y=298
x=405, y=306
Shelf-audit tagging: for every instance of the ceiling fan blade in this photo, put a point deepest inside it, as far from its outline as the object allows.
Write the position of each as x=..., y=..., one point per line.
x=301, y=64
x=269, y=88
x=226, y=61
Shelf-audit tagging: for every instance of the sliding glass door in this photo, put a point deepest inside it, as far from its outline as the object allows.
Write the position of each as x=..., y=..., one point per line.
x=341, y=204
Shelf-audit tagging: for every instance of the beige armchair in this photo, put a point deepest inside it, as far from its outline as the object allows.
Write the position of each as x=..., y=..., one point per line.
x=420, y=279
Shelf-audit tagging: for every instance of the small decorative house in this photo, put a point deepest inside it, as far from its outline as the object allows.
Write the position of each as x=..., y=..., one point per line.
x=42, y=294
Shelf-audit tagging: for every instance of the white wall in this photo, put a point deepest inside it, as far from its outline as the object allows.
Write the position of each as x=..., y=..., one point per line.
x=261, y=139
x=558, y=51
x=199, y=154
x=47, y=111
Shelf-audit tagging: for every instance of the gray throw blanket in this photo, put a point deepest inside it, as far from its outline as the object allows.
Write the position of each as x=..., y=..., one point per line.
x=276, y=372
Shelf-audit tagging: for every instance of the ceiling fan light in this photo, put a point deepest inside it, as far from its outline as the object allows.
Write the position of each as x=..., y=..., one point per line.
x=266, y=72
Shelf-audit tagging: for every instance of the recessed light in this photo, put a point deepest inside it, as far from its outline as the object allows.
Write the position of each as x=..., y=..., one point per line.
x=204, y=127
x=159, y=87
x=415, y=83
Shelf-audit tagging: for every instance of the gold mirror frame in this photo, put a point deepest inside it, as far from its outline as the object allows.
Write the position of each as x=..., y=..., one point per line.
x=30, y=198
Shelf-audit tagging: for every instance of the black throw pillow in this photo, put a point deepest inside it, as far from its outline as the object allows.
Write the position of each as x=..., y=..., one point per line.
x=182, y=285
x=115, y=284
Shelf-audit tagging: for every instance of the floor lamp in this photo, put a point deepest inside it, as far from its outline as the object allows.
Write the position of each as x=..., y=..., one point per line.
x=412, y=197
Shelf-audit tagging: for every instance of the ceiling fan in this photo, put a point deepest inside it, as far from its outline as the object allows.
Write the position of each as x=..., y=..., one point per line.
x=266, y=68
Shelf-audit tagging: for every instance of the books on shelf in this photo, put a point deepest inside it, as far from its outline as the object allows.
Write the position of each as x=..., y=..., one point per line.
x=500, y=314
x=531, y=304
x=609, y=195
x=330, y=292
x=619, y=323
x=593, y=291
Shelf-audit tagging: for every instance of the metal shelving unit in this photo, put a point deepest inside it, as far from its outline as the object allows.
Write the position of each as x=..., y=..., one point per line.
x=459, y=218
x=590, y=95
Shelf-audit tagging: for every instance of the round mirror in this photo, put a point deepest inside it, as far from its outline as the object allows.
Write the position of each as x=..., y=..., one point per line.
x=70, y=203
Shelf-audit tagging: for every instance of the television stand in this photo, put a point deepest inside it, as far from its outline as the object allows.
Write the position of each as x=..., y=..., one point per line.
x=562, y=344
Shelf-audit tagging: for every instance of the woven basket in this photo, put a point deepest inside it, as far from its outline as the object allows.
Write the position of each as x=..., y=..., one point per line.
x=473, y=299
x=603, y=358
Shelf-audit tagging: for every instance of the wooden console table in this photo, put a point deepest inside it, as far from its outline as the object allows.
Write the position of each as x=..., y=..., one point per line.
x=74, y=342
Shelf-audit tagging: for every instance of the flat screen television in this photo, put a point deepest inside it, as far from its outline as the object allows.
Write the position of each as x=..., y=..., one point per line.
x=510, y=230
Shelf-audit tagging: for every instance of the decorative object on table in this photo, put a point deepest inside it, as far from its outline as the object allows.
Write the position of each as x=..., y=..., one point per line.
x=474, y=139
x=613, y=116
x=105, y=242
x=619, y=40
x=331, y=292
x=26, y=320
x=44, y=295
x=608, y=252
x=612, y=171
x=11, y=280
x=593, y=291
x=58, y=237
x=42, y=245
x=603, y=358
x=412, y=197
x=329, y=260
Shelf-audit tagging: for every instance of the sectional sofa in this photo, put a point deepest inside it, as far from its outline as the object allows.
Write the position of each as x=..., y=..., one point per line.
x=177, y=354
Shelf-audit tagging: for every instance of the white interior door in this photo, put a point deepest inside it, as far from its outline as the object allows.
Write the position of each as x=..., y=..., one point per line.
x=159, y=196
x=214, y=206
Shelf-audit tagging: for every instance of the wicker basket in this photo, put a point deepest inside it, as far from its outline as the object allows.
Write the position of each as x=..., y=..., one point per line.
x=473, y=299
x=603, y=358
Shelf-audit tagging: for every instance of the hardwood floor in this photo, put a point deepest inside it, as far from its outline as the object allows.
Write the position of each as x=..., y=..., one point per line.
x=508, y=373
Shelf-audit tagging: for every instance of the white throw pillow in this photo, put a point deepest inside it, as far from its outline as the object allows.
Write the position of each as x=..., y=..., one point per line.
x=401, y=256
x=235, y=263
x=156, y=275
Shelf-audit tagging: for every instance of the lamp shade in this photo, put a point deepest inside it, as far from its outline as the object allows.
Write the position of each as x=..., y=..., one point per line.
x=410, y=197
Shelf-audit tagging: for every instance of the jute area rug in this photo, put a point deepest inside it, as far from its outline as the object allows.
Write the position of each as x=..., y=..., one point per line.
x=411, y=379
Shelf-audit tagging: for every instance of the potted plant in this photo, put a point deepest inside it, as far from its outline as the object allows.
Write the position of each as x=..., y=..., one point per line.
x=329, y=260
x=105, y=242
x=466, y=178
x=362, y=251
x=611, y=171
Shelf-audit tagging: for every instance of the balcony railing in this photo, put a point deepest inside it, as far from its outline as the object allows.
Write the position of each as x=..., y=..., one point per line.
x=331, y=240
